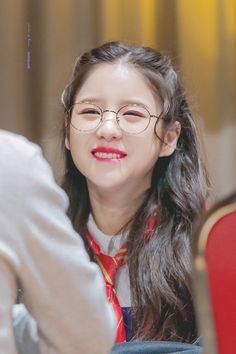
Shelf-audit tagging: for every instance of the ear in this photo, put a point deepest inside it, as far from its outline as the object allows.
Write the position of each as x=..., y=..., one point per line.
x=67, y=142
x=170, y=139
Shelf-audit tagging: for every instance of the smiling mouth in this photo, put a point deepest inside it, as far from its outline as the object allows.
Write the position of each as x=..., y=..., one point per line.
x=105, y=154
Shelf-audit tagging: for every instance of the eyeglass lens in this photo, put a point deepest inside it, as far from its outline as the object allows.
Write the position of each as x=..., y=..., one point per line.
x=132, y=119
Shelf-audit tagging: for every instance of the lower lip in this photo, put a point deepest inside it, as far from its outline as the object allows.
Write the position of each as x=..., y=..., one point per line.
x=104, y=159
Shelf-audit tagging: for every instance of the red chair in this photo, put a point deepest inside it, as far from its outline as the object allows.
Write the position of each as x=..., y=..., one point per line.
x=215, y=278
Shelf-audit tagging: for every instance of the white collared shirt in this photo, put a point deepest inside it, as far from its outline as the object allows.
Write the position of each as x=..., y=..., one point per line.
x=110, y=245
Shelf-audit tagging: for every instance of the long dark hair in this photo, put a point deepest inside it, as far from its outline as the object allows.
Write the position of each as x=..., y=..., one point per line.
x=159, y=270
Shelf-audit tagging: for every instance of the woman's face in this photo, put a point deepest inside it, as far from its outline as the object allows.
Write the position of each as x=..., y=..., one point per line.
x=107, y=157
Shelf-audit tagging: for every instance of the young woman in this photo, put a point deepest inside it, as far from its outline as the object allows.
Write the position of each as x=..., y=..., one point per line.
x=135, y=181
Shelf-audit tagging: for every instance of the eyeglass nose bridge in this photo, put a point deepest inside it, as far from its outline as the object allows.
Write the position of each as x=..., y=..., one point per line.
x=107, y=120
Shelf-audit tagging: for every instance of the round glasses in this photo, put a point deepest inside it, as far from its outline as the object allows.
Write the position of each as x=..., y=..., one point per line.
x=132, y=118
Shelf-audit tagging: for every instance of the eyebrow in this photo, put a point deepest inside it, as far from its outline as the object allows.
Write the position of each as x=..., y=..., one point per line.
x=121, y=103
x=92, y=100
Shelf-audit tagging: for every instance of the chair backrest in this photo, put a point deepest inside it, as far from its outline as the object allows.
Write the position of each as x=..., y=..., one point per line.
x=215, y=278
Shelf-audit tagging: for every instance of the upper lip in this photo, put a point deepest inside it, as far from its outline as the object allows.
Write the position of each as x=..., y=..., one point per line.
x=108, y=150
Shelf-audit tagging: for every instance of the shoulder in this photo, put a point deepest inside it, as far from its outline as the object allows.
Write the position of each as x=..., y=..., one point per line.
x=16, y=158
x=24, y=171
x=16, y=146
x=21, y=161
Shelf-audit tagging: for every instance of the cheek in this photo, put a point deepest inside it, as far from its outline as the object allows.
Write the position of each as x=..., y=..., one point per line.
x=147, y=151
x=74, y=145
x=159, y=128
x=78, y=142
x=77, y=149
x=150, y=143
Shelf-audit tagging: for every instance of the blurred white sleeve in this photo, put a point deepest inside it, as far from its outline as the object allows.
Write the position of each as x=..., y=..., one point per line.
x=62, y=289
x=25, y=330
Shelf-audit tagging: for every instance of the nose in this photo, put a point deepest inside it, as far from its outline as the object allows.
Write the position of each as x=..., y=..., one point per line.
x=109, y=128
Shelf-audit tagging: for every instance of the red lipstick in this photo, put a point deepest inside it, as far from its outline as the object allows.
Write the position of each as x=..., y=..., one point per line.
x=108, y=154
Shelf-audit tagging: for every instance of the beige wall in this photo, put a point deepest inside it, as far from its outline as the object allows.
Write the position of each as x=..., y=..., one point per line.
x=200, y=35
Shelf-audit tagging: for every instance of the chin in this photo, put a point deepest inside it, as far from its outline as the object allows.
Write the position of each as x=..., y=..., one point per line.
x=109, y=185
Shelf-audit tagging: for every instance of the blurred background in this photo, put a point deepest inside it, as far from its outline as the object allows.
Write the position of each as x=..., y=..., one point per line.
x=40, y=40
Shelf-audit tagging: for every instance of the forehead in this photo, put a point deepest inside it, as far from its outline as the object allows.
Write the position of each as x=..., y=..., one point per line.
x=116, y=83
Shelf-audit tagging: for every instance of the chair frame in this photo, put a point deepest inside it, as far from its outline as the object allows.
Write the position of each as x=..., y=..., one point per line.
x=200, y=282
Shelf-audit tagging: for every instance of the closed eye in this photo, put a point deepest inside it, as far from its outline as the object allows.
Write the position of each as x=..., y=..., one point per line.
x=89, y=111
x=133, y=113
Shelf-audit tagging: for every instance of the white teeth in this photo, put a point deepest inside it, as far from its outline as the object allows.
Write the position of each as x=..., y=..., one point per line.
x=105, y=155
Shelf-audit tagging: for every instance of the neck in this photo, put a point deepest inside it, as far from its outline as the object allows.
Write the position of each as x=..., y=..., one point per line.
x=112, y=211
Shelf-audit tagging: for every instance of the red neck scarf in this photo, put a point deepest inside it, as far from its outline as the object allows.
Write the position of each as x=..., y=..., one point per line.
x=109, y=266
